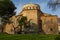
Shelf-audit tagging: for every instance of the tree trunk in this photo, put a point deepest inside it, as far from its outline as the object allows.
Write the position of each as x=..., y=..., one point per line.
x=23, y=29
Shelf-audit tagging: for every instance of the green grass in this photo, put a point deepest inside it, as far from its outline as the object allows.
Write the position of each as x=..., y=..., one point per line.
x=29, y=37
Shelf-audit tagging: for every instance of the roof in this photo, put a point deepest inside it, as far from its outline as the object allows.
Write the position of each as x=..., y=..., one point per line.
x=45, y=14
x=31, y=5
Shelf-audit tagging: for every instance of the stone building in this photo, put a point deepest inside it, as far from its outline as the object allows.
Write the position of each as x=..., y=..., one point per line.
x=42, y=23
x=59, y=28
x=59, y=25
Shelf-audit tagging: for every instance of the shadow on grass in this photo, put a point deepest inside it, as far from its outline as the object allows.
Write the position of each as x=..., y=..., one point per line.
x=57, y=38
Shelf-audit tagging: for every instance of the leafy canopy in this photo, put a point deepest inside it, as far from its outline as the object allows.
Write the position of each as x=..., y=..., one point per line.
x=7, y=8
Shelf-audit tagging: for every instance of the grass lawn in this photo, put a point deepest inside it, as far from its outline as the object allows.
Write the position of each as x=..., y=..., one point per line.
x=29, y=37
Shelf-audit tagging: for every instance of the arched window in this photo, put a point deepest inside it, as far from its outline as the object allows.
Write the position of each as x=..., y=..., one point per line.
x=33, y=7
x=51, y=29
x=29, y=7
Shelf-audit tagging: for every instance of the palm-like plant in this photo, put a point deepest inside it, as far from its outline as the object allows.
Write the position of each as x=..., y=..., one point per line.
x=22, y=23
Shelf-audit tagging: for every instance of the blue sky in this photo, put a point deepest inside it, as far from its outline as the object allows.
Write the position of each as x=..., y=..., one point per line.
x=42, y=3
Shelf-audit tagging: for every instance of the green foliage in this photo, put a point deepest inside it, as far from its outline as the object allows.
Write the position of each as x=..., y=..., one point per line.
x=7, y=8
x=22, y=20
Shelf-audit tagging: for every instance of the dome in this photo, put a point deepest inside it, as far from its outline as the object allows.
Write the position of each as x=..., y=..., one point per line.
x=31, y=6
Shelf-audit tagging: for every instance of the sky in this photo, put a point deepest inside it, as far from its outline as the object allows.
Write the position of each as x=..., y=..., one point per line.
x=43, y=6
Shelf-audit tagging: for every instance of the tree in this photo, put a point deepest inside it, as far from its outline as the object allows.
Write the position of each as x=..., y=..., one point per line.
x=53, y=4
x=22, y=23
x=25, y=25
x=6, y=10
